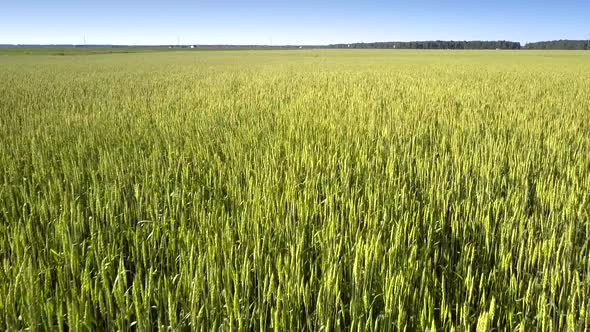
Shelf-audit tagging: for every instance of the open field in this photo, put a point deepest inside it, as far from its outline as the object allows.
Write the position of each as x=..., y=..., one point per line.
x=295, y=190
x=75, y=50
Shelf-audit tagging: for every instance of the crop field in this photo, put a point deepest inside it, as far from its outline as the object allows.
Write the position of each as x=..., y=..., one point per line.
x=295, y=190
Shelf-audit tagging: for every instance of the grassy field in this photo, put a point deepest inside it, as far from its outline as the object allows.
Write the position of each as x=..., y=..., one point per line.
x=295, y=190
x=75, y=50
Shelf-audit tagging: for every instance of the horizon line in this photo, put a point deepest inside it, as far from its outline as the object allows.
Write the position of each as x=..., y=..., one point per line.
x=277, y=45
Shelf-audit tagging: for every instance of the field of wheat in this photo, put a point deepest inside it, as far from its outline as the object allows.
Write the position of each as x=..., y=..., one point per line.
x=295, y=190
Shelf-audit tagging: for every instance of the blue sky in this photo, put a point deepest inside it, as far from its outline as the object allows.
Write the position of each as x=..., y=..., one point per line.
x=288, y=22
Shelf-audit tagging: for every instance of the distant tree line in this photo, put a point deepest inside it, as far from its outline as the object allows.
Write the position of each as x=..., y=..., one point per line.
x=559, y=45
x=438, y=45
x=415, y=45
x=472, y=45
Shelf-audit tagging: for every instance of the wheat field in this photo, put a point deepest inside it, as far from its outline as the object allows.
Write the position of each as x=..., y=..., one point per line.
x=294, y=190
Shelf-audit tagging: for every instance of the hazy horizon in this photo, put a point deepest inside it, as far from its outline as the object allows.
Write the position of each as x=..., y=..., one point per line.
x=267, y=45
